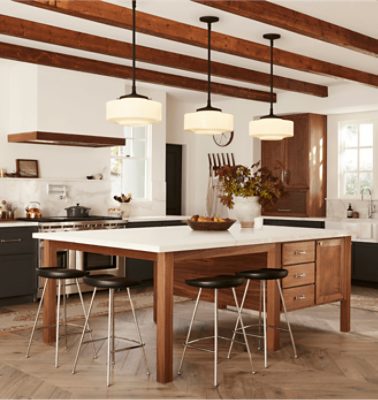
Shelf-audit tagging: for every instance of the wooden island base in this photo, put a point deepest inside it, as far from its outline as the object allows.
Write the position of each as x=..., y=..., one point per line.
x=319, y=273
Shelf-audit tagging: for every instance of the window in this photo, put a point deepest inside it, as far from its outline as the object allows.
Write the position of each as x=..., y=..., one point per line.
x=130, y=164
x=355, y=158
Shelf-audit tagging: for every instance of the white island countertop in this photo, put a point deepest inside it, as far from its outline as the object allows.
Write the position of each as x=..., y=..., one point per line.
x=183, y=238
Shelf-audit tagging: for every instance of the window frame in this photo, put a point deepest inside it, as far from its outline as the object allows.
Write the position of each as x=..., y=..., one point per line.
x=129, y=133
x=358, y=171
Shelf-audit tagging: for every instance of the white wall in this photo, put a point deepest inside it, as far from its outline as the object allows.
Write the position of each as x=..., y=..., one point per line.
x=342, y=98
x=34, y=97
x=196, y=148
x=56, y=100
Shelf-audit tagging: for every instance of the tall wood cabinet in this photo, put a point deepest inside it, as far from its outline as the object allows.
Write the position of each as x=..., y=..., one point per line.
x=301, y=163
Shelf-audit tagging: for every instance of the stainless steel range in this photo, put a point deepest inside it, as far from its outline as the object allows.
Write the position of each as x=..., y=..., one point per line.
x=91, y=262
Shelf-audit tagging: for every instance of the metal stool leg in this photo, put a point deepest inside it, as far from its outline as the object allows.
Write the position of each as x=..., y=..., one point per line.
x=65, y=313
x=215, y=337
x=287, y=320
x=138, y=330
x=84, y=328
x=110, y=335
x=36, y=319
x=85, y=316
x=179, y=372
x=237, y=321
x=243, y=330
x=265, y=337
x=113, y=330
x=57, y=325
x=259, y=324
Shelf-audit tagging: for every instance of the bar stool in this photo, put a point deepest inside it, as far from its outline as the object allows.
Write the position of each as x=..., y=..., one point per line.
x=60, y=275
x=214, y=283
x=111, y=283
x=263, y=275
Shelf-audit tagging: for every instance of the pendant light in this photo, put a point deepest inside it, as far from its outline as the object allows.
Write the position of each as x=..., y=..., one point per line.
x=271, y=127
x=133, y=109
x=209, y=120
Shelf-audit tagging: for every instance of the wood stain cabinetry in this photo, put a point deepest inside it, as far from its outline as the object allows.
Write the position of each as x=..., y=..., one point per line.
x=316, y=270
x=301, y=163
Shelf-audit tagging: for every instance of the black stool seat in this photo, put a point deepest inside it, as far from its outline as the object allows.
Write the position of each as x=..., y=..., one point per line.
x=266, y=274
x=109, y=282
x=60, y=273
x=216, y=282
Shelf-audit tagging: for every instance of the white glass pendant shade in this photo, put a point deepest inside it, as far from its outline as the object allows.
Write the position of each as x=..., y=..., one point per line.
x=133, y=111
x=271, y=128
x=208, y=122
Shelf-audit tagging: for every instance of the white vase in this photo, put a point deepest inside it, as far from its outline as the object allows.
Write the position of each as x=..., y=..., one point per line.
x=125, y=210
x=246, y=209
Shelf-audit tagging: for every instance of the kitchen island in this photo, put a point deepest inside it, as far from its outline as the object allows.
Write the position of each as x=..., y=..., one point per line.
x=326, y=254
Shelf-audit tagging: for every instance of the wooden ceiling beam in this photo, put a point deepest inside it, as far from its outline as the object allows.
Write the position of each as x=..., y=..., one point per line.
x=291, y=20
x=112, y=14
x=58, y=60
x=25, y=29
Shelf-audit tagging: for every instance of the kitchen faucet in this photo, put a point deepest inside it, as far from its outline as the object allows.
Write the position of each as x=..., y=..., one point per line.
x=371, y=205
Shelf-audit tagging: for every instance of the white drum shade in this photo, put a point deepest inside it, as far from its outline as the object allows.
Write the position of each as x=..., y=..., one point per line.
x=133, y=111
x=208, y=122
x=271, y=129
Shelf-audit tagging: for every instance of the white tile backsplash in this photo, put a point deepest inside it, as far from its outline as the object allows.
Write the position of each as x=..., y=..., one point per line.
x=337, y=208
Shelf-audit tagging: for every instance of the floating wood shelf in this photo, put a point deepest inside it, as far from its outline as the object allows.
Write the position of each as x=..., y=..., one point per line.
x=65, y=139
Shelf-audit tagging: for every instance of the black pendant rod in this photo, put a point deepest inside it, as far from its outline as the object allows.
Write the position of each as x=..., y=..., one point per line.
x=133, y=90
x=271, y=76
x=133, y=93
x=271, y=37
x=209, y=64
x=209, y=20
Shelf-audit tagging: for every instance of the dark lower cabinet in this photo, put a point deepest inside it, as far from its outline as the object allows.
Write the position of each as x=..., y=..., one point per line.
x=18, y=261
x=142, y=270
x=365, y=262
x=298, y=223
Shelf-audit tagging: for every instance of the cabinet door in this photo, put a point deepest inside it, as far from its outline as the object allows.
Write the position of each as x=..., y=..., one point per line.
x=273, y=156
x=17, y=275
x=329, y=270
x=291, y=203
x=297, y=153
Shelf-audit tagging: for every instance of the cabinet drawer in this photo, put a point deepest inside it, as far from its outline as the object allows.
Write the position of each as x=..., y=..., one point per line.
x=298, y=252
x=17, y=240
x=299, y=275
x=299, y=297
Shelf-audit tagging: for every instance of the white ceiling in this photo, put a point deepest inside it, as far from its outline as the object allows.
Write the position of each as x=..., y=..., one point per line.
x=361, y=16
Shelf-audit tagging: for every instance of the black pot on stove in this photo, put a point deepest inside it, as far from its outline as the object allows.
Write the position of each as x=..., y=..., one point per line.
x=77, y=211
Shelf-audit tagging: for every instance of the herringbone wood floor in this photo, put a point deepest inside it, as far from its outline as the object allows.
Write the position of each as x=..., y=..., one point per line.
x=330, y=364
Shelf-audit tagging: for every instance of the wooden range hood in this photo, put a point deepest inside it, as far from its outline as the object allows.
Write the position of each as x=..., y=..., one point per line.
x=65, y=139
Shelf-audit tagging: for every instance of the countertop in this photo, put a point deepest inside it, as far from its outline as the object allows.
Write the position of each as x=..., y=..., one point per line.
x=154, y=218
x=182, y=238
x=13, y=224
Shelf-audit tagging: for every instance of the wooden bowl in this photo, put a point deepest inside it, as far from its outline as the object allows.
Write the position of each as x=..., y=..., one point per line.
x=210, y=225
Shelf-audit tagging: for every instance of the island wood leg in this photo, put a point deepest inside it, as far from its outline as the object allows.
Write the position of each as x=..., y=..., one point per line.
x=164, y=317
x=155, y=291
x=49, y=303
x=347, y=279
x=273, y=300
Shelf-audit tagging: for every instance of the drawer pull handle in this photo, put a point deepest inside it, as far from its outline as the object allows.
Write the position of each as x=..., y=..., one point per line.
x=284, y=209
x=300, y=275
x=300, y=252
x=300, y=297
x=6, y=241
